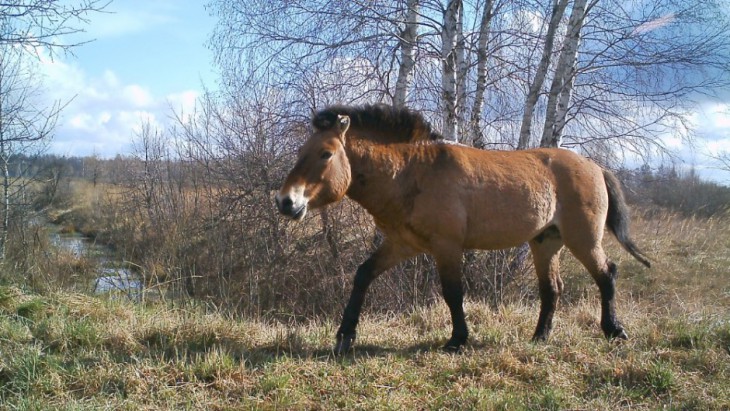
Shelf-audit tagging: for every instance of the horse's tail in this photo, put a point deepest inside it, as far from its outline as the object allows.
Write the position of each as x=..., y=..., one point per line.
x=618, y=217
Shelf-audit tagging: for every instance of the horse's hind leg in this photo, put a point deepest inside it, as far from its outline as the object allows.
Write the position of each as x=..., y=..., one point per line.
x=385, y=257
x=449, y=268
x=604, y=273
x=546, y=253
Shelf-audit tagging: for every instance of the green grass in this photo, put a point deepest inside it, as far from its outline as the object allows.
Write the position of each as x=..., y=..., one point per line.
x=60, y=350
x=77, y=352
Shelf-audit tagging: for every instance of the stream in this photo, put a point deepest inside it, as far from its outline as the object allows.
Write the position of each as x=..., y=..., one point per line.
x=112, y=277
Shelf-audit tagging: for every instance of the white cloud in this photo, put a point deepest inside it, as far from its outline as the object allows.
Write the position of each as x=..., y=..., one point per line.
x=81, y=122
x=711, y=125
x=104, y=113
x=716, y=117
x=184, y=101
x=710, y=129
x=654, y=24
x=137, y=95
x=718, y=146
x=672, y=142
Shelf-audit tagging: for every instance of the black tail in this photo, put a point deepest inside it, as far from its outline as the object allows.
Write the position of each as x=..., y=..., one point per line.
x=618, y=217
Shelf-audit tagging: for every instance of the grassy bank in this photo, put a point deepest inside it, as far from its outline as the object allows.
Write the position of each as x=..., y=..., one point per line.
x=78, y=352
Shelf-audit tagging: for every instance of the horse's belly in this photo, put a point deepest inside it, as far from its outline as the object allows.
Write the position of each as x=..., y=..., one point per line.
x=497, y=224
x=490, y=238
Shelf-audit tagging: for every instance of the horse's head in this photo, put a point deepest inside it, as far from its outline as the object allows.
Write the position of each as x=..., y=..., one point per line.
x=321, y=174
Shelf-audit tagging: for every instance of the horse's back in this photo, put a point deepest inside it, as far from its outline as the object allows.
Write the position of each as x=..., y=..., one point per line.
x=499, y=199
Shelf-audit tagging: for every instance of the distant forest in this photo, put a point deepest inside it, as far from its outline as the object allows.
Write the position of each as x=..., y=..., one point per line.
x=665, y=186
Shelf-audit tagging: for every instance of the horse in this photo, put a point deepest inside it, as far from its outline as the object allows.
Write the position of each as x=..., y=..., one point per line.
x=427, y=195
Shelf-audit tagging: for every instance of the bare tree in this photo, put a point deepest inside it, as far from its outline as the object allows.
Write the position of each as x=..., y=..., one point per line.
x=558, y=7
x=25, y=125
x=27, y=27
x=722, y=160
x=407, y=40
x=482, y=54
x=45, y=24
x=349, y=49
x=562, y=84
x=449, y=60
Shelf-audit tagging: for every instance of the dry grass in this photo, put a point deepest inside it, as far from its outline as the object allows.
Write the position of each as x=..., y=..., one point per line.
x=73, y=351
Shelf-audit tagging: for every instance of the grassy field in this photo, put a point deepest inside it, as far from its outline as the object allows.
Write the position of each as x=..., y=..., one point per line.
x=73, y=351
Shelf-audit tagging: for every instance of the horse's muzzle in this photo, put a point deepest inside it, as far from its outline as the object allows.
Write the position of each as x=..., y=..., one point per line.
x=287, y=207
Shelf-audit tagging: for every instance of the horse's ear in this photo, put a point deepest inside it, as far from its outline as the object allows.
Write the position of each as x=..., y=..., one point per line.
x=343, y=123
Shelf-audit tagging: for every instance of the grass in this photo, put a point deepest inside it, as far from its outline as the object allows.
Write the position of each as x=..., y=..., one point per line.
x=62, y=350
x=78, y=352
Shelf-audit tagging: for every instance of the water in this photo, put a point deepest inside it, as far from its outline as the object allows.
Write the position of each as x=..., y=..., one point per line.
x=112, y=279
x=119, y=281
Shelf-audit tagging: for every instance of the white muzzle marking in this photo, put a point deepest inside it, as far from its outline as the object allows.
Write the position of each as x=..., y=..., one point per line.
x=293, y=203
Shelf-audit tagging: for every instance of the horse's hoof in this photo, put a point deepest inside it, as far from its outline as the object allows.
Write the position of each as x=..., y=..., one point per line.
x=620, y=335
x=617, y=334
x=454, y=345
x=344, y=343
x=451, y=349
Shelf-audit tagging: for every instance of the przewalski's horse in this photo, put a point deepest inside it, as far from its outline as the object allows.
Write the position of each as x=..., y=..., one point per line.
x=433, y=197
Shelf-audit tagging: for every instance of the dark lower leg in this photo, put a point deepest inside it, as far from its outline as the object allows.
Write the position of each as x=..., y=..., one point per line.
x=546, y=252
x=454, y=296
x=610, y=325
x=549, y=295
x=351, y=316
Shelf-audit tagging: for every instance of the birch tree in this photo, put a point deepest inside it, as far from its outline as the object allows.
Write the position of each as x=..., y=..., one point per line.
x=558, y=8
x=609, y=72
x=349, y=49
x=407, y=44
x=449, y=53
x=641, y=71
x=565, y=72
x=475, y=121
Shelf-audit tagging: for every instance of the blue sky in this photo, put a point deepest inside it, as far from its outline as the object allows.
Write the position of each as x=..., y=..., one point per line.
x=146, y=57
x=150, y=56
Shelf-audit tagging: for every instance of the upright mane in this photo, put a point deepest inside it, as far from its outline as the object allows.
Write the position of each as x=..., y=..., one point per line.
x=378, y=123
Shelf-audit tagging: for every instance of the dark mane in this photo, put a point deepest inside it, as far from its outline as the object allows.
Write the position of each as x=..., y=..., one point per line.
x=378, y=123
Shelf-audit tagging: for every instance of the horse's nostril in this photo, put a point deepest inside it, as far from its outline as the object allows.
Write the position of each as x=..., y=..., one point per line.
x=285, y=205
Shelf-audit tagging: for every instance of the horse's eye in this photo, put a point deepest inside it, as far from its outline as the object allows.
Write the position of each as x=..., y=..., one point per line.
x=326, y=155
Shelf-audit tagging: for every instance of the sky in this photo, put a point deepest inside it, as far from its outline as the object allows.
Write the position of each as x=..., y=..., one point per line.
x=149, y=57
x=145, y=58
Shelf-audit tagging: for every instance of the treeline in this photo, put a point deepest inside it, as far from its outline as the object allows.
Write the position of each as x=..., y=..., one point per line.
x=665, y=187
x=680, y=191
x=92, y=168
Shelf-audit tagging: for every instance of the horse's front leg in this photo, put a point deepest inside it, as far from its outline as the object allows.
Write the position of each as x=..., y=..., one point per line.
x=385, y=257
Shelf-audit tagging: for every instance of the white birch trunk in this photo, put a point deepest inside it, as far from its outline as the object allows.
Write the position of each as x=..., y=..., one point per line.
x=5, y=205
x=562, y=82
x=407, y=43
x=533, y=94
x=477, y=139
x=562, y=109
x=5, y=177
x=462, y=72
x=448, y=74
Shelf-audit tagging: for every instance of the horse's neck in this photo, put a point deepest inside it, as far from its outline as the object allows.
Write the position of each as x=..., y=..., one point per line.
x=375, y=171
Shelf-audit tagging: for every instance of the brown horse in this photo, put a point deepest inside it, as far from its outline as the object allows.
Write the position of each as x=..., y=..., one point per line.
x=434, y=197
